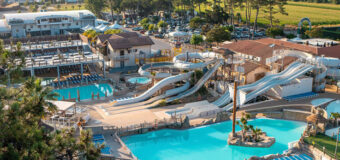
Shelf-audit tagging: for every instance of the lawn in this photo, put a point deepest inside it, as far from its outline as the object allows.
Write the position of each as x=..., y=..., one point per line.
x=319, y=14
x=321, y=141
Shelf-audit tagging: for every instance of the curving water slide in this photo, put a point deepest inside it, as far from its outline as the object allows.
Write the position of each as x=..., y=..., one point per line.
x=180, y=61
x=199, y=84
x=164, y=82
x=333, y=66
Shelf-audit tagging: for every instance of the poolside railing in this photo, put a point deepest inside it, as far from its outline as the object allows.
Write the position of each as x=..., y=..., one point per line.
x=143, y=127
x=319, y=147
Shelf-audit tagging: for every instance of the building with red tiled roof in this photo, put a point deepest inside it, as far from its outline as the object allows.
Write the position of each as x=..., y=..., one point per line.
x=122, y=49
x=322, y=49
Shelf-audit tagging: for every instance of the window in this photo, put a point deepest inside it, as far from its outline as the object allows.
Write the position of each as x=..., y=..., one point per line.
x=31, y=26
x=17, y=30
x=129, y=51
x=63, y=25
x=135, y=50
x=77, y=23
x=45, y=26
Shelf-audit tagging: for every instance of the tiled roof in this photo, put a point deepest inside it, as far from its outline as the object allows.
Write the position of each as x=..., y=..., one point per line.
x=250, y=47
x=291, y=45
x=331, y=51
x=126, y=40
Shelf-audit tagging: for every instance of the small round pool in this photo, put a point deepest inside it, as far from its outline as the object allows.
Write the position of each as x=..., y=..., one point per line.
x=320, y=101
x=333, y=107
x=139, y=80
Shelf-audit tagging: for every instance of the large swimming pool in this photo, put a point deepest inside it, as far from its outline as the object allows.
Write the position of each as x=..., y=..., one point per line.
x=210, y=142
x=85, y=91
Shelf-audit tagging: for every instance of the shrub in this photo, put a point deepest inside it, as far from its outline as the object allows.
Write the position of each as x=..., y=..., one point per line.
x=274, y=31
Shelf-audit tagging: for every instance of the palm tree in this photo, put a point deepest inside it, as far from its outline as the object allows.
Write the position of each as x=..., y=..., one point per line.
x=243, y=123
x=37, y=96
x=335, y=115
x=256, y=133
x=79, y=6
x=8, y=60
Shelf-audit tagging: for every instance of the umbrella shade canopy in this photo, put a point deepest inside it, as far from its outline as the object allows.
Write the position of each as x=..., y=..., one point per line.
x=104, y=28
x=178, y=34
x=115, y=26
x=100, y=26
x=88, y=27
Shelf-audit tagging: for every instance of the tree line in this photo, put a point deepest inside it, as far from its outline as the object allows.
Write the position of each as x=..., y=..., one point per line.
x=222, y=11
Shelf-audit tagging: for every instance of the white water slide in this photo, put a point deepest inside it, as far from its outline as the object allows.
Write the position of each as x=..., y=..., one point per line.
x=207, y=57
x=199, y=84
x=155, y=88
x=333, y=66
x=255, y=89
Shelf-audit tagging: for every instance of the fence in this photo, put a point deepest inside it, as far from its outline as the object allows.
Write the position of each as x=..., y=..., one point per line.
x=321, y=147
x=142, y=127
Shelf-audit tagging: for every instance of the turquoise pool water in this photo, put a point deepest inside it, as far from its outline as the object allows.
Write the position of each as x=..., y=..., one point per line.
x=85, y=91
x=319, y=101
x=139, y=80
x=210, y=142
x=333, y=107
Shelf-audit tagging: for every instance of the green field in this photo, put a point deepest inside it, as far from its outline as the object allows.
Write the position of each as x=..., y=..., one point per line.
x=319, y=14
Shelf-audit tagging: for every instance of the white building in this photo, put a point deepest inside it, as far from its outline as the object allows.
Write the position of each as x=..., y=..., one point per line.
x=123, y=49
x=47, y=23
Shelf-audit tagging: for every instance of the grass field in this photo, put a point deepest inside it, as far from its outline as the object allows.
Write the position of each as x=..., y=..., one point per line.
x=319, y=14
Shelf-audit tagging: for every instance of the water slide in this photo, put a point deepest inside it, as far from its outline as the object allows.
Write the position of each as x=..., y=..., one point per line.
x=143, y=71
x=199, y=84
x=226, y=97
x=291, y=68
x=333, y=66
x=321, y=69
x=109, y=110
x=182, y=61
x=164, y=82
x=285, y=78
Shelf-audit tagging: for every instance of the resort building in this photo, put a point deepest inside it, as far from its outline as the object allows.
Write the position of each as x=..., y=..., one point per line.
x=256, y=53
x=45, y=23
x=123, y=49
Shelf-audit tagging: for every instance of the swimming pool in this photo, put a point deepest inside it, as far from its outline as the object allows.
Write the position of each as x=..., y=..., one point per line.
x=333, y=107
x=210, y=142
x=320, y=101
x=85, y=91
x=139, y=80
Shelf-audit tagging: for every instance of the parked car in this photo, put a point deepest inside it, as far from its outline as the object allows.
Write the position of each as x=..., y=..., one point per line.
x=148, y=33
x=142, y=31
x=159, y=36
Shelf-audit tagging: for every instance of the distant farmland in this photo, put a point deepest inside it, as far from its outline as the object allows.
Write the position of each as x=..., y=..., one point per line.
x=319, y=14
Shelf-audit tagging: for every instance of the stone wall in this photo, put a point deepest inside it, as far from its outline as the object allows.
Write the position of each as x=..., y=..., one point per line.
x=295, y=116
